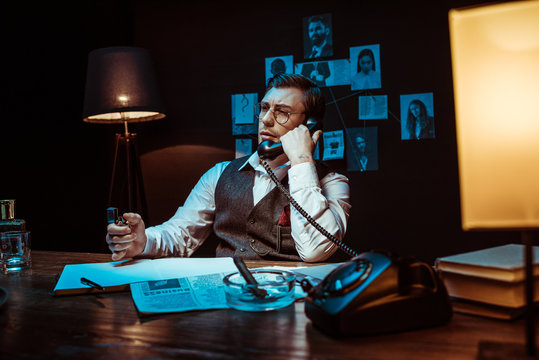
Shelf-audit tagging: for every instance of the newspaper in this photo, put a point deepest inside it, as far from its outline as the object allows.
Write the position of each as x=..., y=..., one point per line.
x=201, y=292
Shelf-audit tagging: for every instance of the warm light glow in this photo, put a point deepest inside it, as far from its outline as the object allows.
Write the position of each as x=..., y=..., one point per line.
x=495, y=55
x=129, y=116
x=123, y=99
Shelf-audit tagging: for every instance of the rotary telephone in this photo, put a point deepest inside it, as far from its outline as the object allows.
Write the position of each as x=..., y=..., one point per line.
x=372, y=293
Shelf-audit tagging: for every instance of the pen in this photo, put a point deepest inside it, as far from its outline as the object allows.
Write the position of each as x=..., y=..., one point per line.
x=249, y=277
x=91, y=284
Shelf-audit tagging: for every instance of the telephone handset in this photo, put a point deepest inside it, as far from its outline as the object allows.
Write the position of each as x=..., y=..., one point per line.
x=269, y=150
x=372, y=293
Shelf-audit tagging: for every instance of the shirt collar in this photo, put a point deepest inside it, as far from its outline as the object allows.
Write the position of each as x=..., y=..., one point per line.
x=254, y=163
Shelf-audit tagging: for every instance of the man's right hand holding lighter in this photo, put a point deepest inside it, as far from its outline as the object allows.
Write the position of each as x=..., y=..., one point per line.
x=127, y=241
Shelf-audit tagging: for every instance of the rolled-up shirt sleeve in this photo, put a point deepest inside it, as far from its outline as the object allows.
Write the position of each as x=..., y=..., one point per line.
x=192, y=223
x=327, y=201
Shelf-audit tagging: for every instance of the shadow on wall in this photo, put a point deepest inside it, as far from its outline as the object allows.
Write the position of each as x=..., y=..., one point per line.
x=171, y=173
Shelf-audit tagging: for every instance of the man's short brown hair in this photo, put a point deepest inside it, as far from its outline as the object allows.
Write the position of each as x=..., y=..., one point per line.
x=315, y=105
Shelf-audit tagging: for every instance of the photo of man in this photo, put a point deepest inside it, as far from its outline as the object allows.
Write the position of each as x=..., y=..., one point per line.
x=279, y=65
x=317, y=39
x=326, y=73
x=317, y=72
x=362, y=152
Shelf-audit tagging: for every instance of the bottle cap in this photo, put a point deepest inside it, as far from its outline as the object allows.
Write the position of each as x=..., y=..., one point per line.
x=7, y=209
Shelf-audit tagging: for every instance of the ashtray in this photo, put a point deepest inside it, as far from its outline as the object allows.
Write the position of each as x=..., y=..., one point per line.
x=275, y=290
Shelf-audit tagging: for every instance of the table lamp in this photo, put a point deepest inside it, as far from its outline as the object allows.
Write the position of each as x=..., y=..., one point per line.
x=121, y=89
x=495, y=60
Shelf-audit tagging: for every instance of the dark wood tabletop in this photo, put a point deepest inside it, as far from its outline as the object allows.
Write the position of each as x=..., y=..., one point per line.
x=34, y=324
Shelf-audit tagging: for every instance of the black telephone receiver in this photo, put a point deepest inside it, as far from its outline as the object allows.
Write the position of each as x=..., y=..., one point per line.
x=269, y=150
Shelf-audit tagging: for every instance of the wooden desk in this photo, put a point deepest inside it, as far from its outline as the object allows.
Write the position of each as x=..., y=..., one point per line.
x=34, y=324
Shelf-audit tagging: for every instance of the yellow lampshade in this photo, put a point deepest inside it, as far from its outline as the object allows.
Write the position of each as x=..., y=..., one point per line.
x=495, y=59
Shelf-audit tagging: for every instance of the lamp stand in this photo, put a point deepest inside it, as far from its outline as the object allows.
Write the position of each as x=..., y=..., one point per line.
x=527, y=240
x=130, y=186
x=497, y=350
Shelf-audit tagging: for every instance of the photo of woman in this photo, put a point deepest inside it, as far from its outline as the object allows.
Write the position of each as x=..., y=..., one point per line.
x=417, y=124
x=367, y=75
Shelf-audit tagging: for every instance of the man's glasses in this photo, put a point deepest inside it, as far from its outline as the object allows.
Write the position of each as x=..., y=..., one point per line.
x=280, y=116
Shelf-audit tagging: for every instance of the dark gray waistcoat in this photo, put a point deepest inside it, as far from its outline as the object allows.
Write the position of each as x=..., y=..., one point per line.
x=251, y=232
x=245, y=230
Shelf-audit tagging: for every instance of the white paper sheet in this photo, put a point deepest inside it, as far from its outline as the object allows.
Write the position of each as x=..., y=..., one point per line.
x=129, y=271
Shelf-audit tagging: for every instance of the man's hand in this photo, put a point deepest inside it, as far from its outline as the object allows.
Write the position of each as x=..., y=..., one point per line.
x=127, y=241
x=298, y=144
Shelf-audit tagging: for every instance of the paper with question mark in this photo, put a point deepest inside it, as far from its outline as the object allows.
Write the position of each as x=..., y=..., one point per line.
x=243, y=108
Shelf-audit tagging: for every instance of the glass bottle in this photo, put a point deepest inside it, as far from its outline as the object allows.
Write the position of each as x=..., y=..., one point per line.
x=7, y=217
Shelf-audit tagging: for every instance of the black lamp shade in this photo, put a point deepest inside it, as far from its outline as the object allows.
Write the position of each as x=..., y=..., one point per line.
x=121, y=86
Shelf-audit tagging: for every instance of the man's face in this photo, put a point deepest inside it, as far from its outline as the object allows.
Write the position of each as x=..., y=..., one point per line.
x=360, y=143
x=318, y=33
x=289, y=100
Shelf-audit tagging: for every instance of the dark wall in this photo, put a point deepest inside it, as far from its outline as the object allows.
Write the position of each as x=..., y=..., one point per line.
x=58, y=168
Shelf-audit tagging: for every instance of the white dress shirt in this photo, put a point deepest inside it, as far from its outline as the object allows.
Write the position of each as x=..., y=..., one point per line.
x=327, y=201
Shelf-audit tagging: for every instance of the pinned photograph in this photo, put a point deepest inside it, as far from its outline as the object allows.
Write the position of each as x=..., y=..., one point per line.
x=243, y=114
x=326, y=73
x=372, y=107
x=362, y=149
x=244, y=147
x=317, y=36
x=365, y=67
x=417, y=116
x=279, y=65
x=333, y=145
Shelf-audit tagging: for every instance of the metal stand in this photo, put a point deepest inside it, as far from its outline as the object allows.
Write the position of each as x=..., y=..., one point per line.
x=527, y=240
x=129, y=187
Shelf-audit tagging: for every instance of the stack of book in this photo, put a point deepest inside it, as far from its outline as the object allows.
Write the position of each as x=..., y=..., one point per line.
x=488, y=282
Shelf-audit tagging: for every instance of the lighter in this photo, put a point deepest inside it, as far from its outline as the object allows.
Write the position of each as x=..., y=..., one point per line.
x=113, y=218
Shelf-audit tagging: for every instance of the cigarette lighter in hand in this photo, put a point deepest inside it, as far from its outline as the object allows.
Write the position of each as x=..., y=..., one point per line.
x=113, y=218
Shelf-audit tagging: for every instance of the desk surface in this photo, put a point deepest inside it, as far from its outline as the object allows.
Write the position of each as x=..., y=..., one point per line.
x=34, y=324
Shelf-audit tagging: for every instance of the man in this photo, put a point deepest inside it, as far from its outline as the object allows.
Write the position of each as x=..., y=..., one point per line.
x=319, y=36
x=317, y=72
x=278, y=66
x=362, y=153
x=249, y=216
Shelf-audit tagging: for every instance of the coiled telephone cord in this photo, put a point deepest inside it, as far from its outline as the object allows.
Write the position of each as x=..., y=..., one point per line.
x=313, y=222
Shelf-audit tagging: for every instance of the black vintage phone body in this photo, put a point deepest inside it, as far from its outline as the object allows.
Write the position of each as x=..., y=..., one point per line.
x=373, y=294
x=269, y=150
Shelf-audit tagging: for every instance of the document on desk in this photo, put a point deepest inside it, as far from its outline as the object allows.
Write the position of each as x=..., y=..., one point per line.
x=116, y=276
x=201, y=292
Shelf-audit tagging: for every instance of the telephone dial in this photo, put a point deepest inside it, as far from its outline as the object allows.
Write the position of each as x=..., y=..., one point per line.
x=374, y=292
